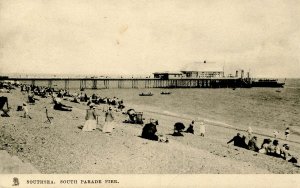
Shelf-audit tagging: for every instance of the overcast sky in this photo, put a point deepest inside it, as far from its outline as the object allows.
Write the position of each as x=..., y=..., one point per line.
x=140, y=37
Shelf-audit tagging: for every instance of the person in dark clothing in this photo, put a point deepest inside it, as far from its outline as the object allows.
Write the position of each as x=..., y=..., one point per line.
x=237, y=140
x=190, y=129
x=3, y=101
x=274, y=149
x=178, y=128
x=252, y=144
x=243, y=142
x=149, y=131
x=59, y=106
x=32, y=99
x=85, y=97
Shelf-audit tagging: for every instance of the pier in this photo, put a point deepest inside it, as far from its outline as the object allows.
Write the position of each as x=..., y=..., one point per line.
x=108, y=83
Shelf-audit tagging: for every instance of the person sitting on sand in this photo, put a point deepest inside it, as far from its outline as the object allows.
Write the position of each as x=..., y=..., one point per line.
x=252, y=144
x=237, y=140
x=90, y=118
x=59, y=106
x=149, y=131
x=286, y=155
x=75, y=99
x=190, y=129
x=178, y=128
x=274, y=149
x=109, y=118
x=31, y=98
x=243, y=142
x=265, y=145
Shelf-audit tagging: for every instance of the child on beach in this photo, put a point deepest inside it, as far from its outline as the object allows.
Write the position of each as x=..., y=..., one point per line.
x=287, y=133
x=26, y=112
x=275, y=133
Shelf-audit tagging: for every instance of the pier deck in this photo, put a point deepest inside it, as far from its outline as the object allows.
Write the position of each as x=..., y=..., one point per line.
x=106, y=83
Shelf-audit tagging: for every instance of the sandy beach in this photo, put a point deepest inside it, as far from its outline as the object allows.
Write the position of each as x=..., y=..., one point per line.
x=62, y=147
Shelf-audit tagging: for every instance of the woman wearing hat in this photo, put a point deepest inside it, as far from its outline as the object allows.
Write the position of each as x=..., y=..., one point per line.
x=108, y=125
x=90, y=117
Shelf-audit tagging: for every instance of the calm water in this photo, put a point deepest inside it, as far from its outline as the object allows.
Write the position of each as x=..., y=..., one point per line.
x=262, y=107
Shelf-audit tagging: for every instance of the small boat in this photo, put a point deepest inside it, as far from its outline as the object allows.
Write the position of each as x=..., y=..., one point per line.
x=165, y=93
x=146, y=94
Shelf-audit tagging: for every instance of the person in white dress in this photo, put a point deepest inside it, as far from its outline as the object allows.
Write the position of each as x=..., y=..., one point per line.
x=26, y=111
x=202, y=128
x=109, y=124
x=275, y=133
x=90, y=117
x=249, y=131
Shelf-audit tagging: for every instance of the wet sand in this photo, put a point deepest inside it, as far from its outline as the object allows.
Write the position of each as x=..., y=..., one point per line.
x=62, y=147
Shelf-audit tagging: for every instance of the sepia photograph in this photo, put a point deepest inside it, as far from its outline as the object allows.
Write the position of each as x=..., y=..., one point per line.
x=135, y=93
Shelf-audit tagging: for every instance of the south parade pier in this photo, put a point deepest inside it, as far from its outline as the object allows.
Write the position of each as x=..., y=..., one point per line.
x=108, y=83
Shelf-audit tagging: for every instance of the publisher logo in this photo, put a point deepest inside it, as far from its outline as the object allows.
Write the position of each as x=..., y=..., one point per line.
x=16, y=181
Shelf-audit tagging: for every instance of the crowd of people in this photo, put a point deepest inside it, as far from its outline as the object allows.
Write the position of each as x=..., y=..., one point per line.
x=149, y=130
x=268, y=147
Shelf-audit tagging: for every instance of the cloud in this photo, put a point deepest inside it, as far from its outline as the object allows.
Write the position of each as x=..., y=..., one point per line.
x=141, y=37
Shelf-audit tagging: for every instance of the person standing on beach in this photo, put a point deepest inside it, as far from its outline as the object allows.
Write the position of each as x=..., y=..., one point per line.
x=249, y=131
x=26, y=111
x=90, y=118
x=202, y=128
x=275, y=133
x=287, y=133
x=109, y=118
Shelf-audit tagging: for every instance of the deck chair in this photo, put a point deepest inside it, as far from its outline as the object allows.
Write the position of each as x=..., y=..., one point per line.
x=48, y=117
x=3, y=101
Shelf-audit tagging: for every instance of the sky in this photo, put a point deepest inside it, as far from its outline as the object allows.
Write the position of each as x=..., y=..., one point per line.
x=126, y=37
